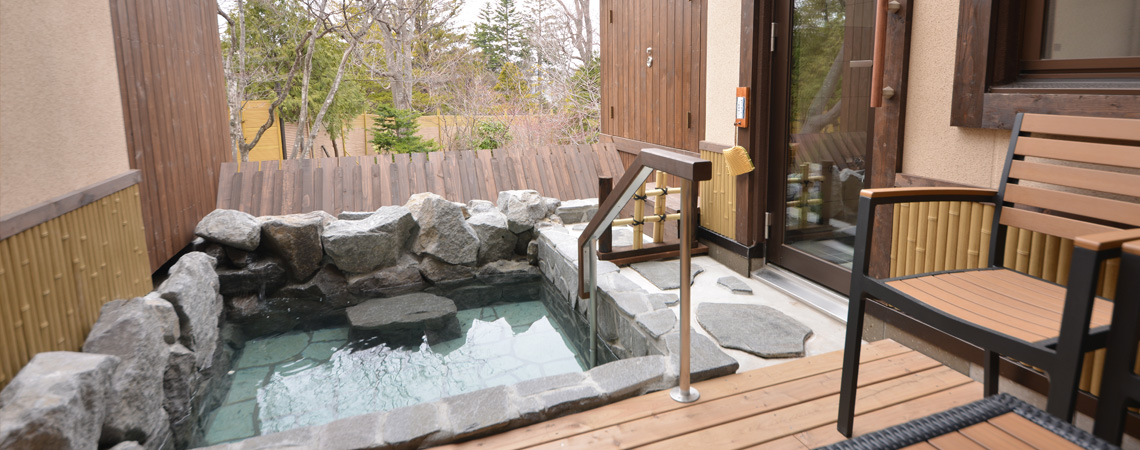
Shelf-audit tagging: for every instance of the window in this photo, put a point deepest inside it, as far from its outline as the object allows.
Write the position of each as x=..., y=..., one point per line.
x=1078, y=57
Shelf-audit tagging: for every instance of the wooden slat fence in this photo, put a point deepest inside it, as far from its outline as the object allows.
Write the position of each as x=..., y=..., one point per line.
x=364, y=183
x=174, y=107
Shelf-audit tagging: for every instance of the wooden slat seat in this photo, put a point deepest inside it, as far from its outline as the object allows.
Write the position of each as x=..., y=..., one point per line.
x=1056, y=181
x=1003, y=300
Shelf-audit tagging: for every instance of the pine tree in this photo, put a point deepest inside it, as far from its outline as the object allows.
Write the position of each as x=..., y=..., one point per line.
x=395, y=132
x=499, y=35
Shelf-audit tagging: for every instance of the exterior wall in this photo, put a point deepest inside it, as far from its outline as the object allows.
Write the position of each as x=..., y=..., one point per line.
x=59, y=101
x=723, y=73
x=931, y=147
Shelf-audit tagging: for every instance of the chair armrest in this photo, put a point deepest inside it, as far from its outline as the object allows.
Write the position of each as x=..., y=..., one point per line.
x=921, y=194
x=1132, y=248
x=1108, y=240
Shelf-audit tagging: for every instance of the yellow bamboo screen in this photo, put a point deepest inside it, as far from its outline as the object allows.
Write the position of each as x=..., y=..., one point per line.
x=718, y=197
x=55, y=276
x=934, y=236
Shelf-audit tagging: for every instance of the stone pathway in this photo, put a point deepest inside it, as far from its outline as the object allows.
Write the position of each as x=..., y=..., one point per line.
x=735, y=285
x=756, y=329
x=665, y=275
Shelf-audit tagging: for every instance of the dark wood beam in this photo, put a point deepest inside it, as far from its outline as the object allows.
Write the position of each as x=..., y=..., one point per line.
x=755, y=73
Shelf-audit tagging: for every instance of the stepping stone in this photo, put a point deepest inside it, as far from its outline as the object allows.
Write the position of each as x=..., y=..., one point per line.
x=734, y=284
x=756, y=329
x=665, y=274
x=404, y=320
x=657, y=323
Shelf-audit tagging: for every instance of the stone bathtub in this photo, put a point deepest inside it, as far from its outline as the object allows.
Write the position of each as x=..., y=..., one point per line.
x=155, y=366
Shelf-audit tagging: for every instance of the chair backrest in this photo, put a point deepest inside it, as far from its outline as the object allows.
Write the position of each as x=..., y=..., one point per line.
x=1069, y=176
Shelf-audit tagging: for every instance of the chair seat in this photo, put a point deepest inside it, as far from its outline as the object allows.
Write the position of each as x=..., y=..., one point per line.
x=1002, y=300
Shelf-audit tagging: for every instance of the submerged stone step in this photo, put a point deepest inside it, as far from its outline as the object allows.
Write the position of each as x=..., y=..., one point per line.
x=756, y=329
x=406, y=319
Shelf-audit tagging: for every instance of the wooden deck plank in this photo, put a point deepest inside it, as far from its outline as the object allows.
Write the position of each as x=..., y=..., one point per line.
x=710, y=414
x=784, y=443
x=812, y=414
x=990, y=436
x=895, y=415
x=1030, y=432
x=659, y=402
x=954, y=441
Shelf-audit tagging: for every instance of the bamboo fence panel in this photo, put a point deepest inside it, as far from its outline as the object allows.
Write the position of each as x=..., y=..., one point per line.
x=935, y=236
x=55, y=277
x=718, y=197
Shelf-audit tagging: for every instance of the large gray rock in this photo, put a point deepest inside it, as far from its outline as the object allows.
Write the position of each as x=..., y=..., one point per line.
x=328, y=283
x=439, y=272
x=353, y=433
x=354, y=215
x=657, y=323
x=230, y=227
x=416, y=202
x=58, y=401
x=129, y=330
x=444, y=234
x=166, y=315
x=756, y=329
x=406, y=319
x=180, y=384
x=706, y=359
x=496, y=241
x=481, y=412
x=192, y=288
x=296, y=238
x=665, y=275
x=396, y=280
x=259, y=276
x=627, y=377
x=508, y=272
x=476, y=207
x=361, y=246
x=577, y=211
x=523, y=209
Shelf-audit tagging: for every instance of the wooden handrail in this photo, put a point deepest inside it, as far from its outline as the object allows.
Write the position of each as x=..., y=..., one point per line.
x=879, y=55
x=677, y=164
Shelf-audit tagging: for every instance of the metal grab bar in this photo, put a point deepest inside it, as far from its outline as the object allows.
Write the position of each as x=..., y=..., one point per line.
x=690, y=169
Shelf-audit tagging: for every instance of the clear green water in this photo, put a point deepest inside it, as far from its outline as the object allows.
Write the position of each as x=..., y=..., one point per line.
x=311, y=378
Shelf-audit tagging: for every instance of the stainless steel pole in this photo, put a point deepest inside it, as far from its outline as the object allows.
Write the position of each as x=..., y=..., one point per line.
x=592, y=257
x=685, y=393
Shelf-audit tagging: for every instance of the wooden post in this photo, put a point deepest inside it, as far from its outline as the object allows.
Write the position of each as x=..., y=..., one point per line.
x=606, y=241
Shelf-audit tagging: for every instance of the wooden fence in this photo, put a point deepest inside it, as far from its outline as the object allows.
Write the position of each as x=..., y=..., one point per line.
x=366, y=183
x=174, y=106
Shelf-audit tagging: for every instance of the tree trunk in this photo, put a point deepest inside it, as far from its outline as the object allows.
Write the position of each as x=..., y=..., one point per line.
x=318, y=120
x=299, y=144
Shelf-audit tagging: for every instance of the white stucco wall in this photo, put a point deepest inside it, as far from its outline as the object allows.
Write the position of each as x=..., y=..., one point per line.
x=61, y=116
x=722, y=71
x=931, y=147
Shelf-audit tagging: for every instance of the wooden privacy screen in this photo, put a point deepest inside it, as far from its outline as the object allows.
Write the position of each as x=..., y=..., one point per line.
x=55, y=276
x=364, y=183
x=661, y=102
x=936, y=236
x=174, y=106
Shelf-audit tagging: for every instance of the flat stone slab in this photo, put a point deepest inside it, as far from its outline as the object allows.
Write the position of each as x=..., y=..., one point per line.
x=665, y=275
x=756, y=329
x=734, y=284
x=706, y=359
x=658, y=322
x=404, y=320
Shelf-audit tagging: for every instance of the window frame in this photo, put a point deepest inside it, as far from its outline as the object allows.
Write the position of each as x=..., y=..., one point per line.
x=992, y=83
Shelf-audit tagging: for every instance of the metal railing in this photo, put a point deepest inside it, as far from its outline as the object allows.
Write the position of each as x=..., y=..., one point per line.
x=690, y=170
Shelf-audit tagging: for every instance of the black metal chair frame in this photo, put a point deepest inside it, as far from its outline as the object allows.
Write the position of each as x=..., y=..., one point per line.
x=1120, y=387
x=1061, y=358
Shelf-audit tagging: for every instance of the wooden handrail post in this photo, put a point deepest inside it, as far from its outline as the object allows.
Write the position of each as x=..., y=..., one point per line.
x=606, y=241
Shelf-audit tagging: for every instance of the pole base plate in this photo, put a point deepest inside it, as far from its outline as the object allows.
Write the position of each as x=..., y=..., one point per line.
x=684, y=397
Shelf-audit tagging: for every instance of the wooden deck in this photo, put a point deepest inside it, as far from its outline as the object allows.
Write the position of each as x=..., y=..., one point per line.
x=788, y=406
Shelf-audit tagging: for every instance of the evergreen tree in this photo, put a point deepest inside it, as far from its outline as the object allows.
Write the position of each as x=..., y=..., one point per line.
x=499, y=35
x=395, y=132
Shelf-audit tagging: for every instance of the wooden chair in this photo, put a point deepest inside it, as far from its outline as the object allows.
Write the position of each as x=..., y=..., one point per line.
x=1120, y=387
x=1006, y=312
